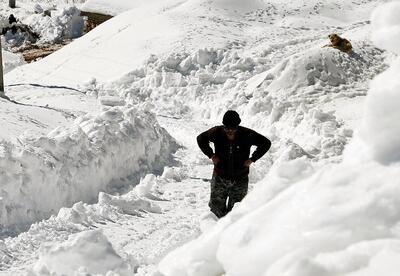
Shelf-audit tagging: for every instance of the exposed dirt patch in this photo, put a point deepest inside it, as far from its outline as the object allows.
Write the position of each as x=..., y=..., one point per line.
x=35, y=52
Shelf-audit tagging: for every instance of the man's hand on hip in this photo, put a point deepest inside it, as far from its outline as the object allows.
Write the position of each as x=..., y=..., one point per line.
x=248, y=162
x=215, y=159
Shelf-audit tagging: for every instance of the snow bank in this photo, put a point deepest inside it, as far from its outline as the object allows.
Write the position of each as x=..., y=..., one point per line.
x=282, y=102
x=386, y=23
x=65, y=22
x=379, y=130
x=319, y=226
x=85, y=253
x=97, y=153
x=109, y=207
x=112, y=213
x=321, y=68
x=341, y=220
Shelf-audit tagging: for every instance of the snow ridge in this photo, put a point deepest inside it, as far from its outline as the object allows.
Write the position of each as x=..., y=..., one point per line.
x=98, y=153
x=282, y=101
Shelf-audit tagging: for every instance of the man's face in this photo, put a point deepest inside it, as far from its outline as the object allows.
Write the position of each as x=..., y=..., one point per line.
x=230, y=132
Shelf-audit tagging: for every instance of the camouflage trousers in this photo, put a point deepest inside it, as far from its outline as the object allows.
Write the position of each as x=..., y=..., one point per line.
x=223, y=190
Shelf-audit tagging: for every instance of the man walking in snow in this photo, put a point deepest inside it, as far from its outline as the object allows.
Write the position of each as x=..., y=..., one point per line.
x=231, y=160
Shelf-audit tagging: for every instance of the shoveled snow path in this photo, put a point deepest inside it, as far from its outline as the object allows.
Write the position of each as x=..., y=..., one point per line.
x=147, y=237
x=152, y=236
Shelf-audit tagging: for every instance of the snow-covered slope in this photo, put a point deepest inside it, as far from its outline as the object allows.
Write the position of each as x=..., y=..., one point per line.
x=162, y=27
x=19, y=119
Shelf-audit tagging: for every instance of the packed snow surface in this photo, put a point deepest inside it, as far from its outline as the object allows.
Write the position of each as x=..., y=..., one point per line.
x=323, y=200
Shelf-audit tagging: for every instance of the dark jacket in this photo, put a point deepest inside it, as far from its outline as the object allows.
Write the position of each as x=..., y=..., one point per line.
x=232, y=155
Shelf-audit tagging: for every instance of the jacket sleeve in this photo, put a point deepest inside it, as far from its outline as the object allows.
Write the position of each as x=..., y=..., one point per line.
x=204, y=139
x=262, y=143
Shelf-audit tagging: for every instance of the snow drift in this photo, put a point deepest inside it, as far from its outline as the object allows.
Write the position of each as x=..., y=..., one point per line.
x=379, y=130
x=66, y=252
x=341, y=220
x=85, y=253
x=282, y=102
x=321, y=69
x=97, y=153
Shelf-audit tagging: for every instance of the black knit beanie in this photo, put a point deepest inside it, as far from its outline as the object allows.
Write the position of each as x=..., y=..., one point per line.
x=231, y=119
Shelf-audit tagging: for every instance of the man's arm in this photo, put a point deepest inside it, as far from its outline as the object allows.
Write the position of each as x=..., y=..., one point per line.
x=204, y=139
x=262, y=143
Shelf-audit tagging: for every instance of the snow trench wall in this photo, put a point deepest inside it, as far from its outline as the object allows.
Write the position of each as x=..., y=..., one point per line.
x=42, y=175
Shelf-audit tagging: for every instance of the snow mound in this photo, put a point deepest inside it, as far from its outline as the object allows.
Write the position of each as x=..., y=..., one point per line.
x=97, y=153
x=179, y=84
x=279, y=229
x=207, y=221
x=146, y=184
x=386, y=27
x=340, y=220
x=382, y=109
x=320, y=68
x=85, y=253
x=129, y=203
x=65, y=23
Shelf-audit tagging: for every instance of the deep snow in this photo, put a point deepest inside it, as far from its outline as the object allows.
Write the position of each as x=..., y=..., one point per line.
x=319, y=206
x=340, y=220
